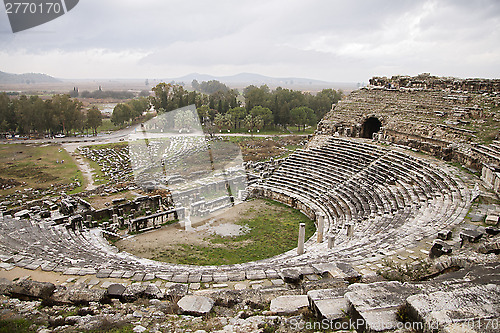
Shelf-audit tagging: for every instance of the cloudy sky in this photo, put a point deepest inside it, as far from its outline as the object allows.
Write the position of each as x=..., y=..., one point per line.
x=341, y=41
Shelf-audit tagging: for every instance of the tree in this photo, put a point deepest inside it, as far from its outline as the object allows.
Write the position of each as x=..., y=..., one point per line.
x=94, y=119
x=299, y=116
x=68, y=111
x=238, y=115
x=121, y=114
x=265, y=114
x=256, y=96
x=162, y=98
x=223, y=121
x=139, y=106
x=8, y=120
x=170, y=96
x=253, y=122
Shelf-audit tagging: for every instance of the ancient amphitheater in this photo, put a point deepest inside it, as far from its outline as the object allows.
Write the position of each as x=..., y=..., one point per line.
x=375, y=178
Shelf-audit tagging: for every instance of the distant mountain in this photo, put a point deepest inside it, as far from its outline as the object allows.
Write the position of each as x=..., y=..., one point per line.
x=257, y=79
x=27, y=78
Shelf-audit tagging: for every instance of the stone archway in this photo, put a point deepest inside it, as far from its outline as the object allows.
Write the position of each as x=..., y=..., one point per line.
x=370, y=125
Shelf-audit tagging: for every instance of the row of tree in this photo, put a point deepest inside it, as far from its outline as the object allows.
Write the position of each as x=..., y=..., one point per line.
x=102, y=94
x=124, y=112
x=280, y=107
x=60, y=114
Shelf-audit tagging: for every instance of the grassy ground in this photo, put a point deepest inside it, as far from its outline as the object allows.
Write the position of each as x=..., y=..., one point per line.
x=272, y=232
x=262, y=149
x=274, y=131
x=108, y=126
x=35, y=166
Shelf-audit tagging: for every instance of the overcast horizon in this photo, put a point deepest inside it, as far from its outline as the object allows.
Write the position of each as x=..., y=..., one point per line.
x=333, y=41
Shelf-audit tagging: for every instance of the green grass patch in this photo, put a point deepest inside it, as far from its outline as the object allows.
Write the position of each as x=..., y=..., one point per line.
x=36, y=165
x=108, y=126
x=16, y=326
x=271, y=232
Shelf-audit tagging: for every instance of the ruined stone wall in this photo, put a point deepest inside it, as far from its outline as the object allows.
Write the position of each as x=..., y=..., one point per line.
x=445, y=117
x=427, y=81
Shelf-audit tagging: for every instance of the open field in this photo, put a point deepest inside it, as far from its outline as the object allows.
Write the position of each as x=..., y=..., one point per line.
x=263, y=148
x=35, y=166
x=263, y=229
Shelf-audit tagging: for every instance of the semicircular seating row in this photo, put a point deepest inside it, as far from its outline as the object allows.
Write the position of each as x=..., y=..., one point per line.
x=391, y=199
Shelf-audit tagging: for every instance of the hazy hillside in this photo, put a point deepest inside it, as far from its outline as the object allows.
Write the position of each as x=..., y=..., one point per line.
x=27, y=78
x=244, y=79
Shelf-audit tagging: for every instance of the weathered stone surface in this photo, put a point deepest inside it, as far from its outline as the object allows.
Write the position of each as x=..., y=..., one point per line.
x=349, y=273
x=287, y=305
x=116, y=290
x=85, y=296
x=152, y=291
x=195, y=305
x=256, y=275
x=465, y=304
x=103, y=273
x=444, y=234
x=470, y=235
x=180, y=278
x=492, y=220
x=77, y=295
x=32, y=289
x=291, y=275
x=5, y=286
x=328, y=304
x=133, y=292
x=439, y=248
x=376, y=303
x=176, y=291
x=236, y=276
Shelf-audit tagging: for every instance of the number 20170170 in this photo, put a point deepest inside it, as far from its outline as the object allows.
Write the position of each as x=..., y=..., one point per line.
x=33, y=8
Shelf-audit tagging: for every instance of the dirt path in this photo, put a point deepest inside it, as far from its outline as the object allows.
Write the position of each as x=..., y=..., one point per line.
x=86, y=170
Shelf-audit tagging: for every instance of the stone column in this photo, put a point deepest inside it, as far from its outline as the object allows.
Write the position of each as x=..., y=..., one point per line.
x=331, y=241
x=350, y=230
x=115, y=218
x=321, y=226
x=302, y=237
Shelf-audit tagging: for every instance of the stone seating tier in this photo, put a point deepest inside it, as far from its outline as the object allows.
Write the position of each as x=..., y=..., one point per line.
x=386, y=198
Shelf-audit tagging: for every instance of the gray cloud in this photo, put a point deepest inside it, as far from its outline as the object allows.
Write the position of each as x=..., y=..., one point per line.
x=329, y=40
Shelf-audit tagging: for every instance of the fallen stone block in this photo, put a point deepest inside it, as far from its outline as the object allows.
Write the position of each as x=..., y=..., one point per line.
x=176, y=291
x=490, y=247
x=84, y=296
x=5, y=286
x=291, y=275
x=492, y=220
x=373, y=306
x=472, y=236
x=471, y=304
x=444, y=234
x=288, y=305
x=328, y=304
x=32, y=289
x=349, y=273
x=195, y=305
x=116, y=290
x=153, y=292
x=133, y=293
x=439, y=248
